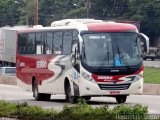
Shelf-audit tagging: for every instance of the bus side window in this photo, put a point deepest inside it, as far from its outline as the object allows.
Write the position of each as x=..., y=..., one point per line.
x=30, y=50
x=39, y=43
x=48, y=42
x=67, y=41
x=58, y=42
x=24, y=50
x=20, y=50
x=31, y=43
x=22, y=42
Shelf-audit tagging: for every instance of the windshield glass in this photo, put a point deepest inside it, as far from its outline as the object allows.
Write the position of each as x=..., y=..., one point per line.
x=111, y=49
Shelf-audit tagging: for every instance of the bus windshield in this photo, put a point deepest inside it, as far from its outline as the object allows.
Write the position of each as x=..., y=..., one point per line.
x=111, y=49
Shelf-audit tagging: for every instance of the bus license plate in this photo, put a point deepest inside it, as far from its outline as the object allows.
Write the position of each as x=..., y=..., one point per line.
x=114, y=92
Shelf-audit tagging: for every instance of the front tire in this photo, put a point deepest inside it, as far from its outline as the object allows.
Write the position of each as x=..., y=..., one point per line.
x=39, y=96
x=121, y=99
x=69, y=97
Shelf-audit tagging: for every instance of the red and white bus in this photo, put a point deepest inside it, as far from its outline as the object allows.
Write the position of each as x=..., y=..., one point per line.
x=81, y=58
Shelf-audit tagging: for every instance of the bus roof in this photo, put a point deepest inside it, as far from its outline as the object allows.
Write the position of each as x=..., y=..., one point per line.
x=95, y=25
x=111, y=27
x=84, y=25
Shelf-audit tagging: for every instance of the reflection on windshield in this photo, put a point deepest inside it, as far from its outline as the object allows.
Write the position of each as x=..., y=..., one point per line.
x=111, y=49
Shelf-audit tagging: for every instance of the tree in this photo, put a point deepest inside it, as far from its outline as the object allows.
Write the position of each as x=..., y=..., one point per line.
x=147, y=12
x=25, y=8
x=7, y=16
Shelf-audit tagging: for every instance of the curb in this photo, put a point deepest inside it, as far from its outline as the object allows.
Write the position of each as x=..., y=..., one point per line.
x=151, y=89
x=148, y=89
x=9, y=80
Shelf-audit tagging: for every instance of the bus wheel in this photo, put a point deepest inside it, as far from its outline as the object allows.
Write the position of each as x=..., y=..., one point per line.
x=121, y=99
x=69, y=97
x=87, y=97
x=39, y=96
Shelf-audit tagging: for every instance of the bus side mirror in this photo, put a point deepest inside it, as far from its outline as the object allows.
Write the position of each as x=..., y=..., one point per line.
x=80, y=56
x=75, y=52
x=144, y=42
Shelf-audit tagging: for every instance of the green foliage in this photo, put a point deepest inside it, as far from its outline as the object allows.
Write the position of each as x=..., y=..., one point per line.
x=26, y=112
x=7, y=109
x=81, y=111
x=24, y=8
x=147, y=12
x=77, y=13
x=7, y=9
x=131, y=112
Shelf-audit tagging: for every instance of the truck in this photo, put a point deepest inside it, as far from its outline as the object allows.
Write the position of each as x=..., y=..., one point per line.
x=153, y=54
x=8, y=38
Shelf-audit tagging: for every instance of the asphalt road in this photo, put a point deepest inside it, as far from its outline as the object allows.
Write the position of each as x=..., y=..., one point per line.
x=16, y=94
x=151, y=63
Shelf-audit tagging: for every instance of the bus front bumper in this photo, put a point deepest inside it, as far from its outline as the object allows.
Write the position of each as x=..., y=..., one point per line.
x=88, y=88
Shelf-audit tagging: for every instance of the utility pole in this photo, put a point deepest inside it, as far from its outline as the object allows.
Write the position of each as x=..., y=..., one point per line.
x=35, y=12
x=27, y=12
x=87, y=6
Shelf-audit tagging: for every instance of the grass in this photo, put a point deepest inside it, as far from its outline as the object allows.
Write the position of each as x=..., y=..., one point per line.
x=152, y=75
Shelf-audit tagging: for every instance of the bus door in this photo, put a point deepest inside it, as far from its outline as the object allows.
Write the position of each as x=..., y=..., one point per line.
x=75, y=59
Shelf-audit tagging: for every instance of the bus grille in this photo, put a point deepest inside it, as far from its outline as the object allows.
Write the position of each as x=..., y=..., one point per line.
x=114, y=86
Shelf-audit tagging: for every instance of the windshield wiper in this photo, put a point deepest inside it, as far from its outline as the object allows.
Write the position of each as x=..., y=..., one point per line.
x=105, y=58
x=121, y=56
x=108, y=53
x=83, y=50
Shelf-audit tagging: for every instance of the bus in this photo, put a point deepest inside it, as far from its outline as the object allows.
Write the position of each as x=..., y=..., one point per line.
x=81, y=58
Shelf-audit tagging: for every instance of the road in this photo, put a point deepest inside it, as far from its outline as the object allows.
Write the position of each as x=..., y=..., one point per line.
x=150, y=63
x=16, y=94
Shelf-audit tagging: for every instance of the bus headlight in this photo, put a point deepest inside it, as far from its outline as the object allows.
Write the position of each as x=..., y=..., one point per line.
x=139, y=76
x=87, y=77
